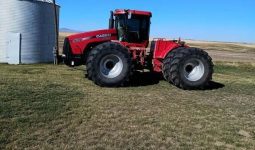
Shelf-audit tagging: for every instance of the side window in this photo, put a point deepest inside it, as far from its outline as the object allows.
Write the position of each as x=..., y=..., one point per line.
x=120, y=25
x=133, y=25
x=134, y=34
x=144, y=24
x=145, y=29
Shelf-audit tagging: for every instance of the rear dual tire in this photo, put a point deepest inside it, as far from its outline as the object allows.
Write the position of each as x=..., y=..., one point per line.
x=188, y=68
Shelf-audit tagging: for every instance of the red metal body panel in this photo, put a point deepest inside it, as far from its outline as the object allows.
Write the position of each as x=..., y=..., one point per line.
x=137, y=50
x=79, y=42
x=137, y=12
x=130, y=45
x=162, y=48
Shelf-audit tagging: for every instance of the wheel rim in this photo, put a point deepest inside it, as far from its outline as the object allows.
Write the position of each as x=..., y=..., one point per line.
x=194, y=69
x=111, y=66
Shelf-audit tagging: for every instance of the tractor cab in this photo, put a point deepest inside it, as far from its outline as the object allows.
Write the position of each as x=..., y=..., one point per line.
x=131, y=26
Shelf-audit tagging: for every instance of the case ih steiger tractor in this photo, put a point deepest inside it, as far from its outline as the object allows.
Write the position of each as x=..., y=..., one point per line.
x=112, y=55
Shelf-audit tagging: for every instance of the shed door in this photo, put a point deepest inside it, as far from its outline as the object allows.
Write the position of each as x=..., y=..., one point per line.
x=13, y=48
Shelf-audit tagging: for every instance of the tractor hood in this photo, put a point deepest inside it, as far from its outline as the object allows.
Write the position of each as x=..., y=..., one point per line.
x=94, y=36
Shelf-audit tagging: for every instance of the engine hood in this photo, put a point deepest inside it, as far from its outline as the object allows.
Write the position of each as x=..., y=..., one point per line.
x=97, y=34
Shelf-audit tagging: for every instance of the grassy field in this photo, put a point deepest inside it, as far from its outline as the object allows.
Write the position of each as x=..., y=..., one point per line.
x=55, y=107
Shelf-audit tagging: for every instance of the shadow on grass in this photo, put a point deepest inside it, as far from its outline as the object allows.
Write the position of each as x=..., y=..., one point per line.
x=152, y=78
x=214, y=85
x=141, y=78
x=145, y=79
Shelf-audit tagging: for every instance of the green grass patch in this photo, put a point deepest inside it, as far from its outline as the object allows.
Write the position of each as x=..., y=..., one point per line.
x=55, y=107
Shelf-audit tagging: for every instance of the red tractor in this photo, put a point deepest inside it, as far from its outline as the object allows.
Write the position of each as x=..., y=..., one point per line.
x=112, y=55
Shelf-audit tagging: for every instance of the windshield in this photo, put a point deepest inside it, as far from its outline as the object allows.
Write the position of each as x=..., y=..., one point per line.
x=133, y=30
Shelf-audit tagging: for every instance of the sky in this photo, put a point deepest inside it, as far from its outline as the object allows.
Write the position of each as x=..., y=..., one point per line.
x=213, y=20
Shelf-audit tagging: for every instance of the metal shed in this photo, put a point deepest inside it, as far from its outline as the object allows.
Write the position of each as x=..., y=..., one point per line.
x=27, y=31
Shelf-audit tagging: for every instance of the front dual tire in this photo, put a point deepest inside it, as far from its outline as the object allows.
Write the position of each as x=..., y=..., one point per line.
x=109, y=64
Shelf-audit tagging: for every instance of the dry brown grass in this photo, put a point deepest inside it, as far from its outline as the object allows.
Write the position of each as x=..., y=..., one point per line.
x=62, y=36
x=220, y=46
x=228, y=52
x=220, y=51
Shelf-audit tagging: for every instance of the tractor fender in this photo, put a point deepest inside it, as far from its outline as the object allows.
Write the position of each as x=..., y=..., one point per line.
x=162, y=48
x=80, y=42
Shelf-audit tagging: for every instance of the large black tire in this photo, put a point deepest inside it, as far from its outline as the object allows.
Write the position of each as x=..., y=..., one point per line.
x=67, y=51
x=188, y=68
x=109, y=65
x=167, y=63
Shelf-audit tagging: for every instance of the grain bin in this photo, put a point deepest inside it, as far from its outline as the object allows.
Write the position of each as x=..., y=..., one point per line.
x=27, y=29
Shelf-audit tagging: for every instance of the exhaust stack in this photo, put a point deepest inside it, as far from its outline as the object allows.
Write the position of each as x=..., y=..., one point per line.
x=111, y=20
